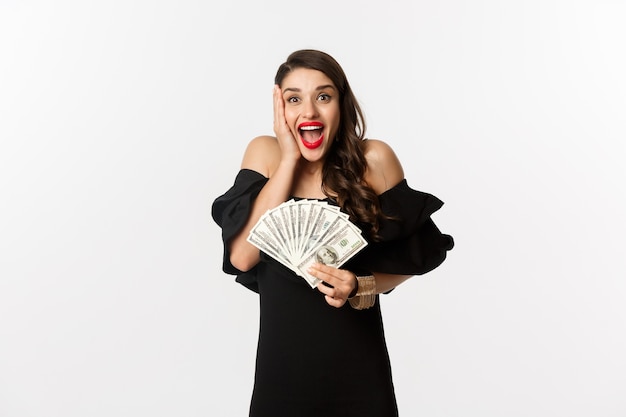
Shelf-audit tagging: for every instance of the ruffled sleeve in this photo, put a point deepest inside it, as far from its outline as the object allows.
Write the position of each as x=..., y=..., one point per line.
x=230, y=211
x=410, y=242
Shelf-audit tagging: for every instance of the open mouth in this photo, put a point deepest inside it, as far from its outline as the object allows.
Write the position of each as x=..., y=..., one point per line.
x=311, y=134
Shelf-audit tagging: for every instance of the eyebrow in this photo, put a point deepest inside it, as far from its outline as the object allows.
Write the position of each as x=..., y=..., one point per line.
x=321, y=87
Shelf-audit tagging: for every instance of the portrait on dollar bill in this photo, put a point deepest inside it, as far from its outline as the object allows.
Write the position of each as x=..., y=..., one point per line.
x=326, y=255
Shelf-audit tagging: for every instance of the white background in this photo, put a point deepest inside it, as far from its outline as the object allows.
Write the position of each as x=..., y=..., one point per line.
x=121, y=122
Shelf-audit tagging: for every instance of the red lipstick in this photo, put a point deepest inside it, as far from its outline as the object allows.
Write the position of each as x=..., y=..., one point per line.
x=308, y=134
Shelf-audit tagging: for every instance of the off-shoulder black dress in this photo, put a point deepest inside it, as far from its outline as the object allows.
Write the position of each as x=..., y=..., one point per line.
x=317, y=360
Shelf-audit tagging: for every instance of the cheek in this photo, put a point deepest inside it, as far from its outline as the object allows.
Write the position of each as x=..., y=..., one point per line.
x=335, y=126
x=290, y=116
x=335, y=116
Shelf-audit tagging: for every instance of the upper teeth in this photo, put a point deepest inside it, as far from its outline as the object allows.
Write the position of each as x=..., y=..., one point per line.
x=310, y=127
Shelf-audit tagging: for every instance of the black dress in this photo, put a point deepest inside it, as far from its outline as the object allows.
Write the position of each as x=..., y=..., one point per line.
x=317, y=360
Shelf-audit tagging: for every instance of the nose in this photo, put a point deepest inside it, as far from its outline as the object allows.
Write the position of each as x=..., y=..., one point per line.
x=310, y=109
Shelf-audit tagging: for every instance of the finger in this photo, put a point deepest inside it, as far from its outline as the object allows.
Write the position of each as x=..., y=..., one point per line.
x=335, y=302
x=326, y=290
x=327, y=278
x=277, y=107
x=333, y=276
x=341, y=289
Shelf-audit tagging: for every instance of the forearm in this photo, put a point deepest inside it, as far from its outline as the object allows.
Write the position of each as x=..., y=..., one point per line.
x=364, y=294
x=244, y=255
x=386, y=282
x=344, y=284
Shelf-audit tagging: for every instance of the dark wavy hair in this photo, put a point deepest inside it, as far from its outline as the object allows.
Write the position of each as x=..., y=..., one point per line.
x=344, y=169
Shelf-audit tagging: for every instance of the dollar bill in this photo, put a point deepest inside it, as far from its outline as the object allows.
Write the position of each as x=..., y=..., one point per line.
x=299, y=233
x=264, y=236
x=334, y=250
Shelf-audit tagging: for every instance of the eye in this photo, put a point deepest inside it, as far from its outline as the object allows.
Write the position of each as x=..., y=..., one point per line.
x=293, y=99
x=324, y=97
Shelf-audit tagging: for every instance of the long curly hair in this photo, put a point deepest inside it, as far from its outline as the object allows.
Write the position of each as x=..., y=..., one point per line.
x=343, y=173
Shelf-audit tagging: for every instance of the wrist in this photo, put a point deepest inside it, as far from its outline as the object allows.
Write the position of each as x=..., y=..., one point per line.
x=355, y=282
x=365, y=295
x=288, y=163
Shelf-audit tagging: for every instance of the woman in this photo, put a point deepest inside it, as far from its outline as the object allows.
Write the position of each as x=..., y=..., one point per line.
x=318, y=354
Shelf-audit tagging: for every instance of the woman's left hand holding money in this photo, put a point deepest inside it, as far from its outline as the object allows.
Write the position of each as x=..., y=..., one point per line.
x=337, y=284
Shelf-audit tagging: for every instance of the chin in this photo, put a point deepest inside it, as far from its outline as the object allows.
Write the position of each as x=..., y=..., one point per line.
x=313, y=156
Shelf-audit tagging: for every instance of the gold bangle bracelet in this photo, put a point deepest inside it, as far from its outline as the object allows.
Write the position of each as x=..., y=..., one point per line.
x=366, y=294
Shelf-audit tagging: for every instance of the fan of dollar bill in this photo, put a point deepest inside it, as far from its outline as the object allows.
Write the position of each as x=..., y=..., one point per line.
x=298, y=233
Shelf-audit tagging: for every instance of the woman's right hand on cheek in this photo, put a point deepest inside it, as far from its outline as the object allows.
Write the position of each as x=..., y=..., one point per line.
x=288, y=146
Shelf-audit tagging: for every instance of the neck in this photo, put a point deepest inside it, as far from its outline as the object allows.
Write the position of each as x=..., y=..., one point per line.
x=308, y=179
x=310, y=169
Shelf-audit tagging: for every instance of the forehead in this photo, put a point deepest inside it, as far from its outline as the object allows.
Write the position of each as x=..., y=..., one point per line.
x=305, y=78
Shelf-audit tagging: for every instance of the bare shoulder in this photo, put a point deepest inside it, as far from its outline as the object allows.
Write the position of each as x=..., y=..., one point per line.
x=384, y=170
x=262, y=155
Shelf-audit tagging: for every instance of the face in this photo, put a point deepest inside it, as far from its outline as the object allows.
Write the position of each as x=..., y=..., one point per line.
x=326, y=256
x=311, y=110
